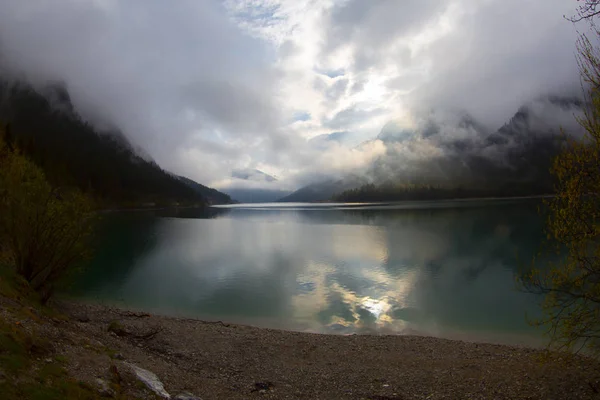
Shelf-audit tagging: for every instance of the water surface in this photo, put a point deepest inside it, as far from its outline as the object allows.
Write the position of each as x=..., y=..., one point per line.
x=438, y=268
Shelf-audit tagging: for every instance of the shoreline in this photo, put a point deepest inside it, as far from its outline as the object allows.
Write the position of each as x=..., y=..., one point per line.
x=317, y=204
x=103, y=349
x=508, y=338
x=218, y=360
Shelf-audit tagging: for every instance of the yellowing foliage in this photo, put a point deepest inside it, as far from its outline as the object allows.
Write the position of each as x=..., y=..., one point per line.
x=572, y=287
x=44, y=231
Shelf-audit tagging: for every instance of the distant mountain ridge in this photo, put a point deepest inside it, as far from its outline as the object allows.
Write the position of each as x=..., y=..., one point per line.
x=321, y=191
x=464, y=157
x=252, y=175
x=257, y=195
x=213, y=196
x=46, y=127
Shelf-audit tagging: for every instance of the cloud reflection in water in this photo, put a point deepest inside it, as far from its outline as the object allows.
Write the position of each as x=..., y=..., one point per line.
x=434, y=271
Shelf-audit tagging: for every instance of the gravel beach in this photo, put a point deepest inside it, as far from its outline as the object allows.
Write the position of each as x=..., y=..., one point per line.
x=216, y=360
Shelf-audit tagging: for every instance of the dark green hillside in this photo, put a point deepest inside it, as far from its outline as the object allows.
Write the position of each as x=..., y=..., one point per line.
x=213, y=196
x=72, y=153
x=391, y=192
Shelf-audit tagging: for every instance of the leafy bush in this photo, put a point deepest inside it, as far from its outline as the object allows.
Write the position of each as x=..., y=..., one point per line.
x=572, y=286
x=44, y=231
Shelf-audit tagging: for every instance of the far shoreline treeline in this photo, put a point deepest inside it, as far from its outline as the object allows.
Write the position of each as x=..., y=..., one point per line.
x=398, y=192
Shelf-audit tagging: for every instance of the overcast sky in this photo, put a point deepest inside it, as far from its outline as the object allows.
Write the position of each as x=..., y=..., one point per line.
x=207, y=87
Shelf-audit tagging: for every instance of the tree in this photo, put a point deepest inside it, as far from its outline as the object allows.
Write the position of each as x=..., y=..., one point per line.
x=44, y=231
x=74, y=153
x=571, y=287
x=587, y=9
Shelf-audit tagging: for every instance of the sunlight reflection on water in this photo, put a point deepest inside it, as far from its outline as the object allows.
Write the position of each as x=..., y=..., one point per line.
x=440, y=271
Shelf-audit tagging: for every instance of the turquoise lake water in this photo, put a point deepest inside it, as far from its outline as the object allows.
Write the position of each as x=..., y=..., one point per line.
x=436, y=268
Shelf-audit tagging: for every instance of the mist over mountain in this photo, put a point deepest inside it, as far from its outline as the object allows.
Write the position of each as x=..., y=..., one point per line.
x=323, y=190
x=308, y=92
x=251, y=185
x=257, y=195
x=291, y=88
x=252, y=175
x=452, y=150
x=213, y=196
x=448, y=149
x=45, y=126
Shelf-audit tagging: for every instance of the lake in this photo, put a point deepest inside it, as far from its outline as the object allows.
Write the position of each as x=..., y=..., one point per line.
x=444, y=268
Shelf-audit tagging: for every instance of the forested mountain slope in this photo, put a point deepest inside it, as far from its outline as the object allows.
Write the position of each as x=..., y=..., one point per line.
x=45, y=126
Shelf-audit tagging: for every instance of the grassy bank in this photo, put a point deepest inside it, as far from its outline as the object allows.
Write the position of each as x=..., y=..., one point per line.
x=30, y=365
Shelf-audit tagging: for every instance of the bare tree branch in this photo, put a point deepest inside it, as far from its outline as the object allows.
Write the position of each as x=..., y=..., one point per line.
x=588, y=10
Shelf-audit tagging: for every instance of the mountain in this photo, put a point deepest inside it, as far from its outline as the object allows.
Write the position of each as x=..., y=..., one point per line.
x=44, y=124
x=213, y=196
x=322, y=191
x=254, y=186
x=449, y=155
x=252, y=175
x=521, y=152
x=249, y=195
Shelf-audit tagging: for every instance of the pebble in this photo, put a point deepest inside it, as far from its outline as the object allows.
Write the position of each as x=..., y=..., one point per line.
x=104, y=388
x=83, y=318
x=186, y=396
x=149, y=379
